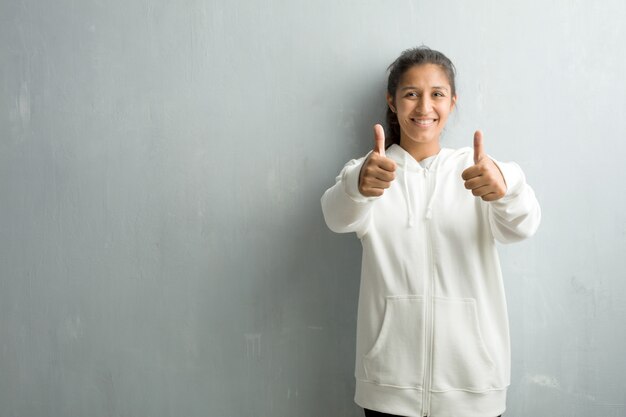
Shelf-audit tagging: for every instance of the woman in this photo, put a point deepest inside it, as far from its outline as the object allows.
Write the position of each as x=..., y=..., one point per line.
x=432, y=328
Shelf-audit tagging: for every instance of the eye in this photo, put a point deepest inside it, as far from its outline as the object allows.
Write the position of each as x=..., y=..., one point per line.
x=438, y=94
x=411, y=94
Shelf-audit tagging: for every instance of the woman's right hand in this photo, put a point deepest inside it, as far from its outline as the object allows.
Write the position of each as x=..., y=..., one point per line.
x=378, y=171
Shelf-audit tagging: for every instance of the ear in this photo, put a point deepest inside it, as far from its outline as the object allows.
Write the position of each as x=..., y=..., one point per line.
x=390, y=102
x=453, y=102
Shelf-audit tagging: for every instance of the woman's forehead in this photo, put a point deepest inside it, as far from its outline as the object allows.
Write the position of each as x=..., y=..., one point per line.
x=424, y=75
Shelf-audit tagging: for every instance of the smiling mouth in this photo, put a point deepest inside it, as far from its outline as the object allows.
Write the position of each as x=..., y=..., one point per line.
x=424, y=122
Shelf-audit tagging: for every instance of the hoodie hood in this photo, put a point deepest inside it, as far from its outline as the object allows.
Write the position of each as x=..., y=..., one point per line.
x=408, y=164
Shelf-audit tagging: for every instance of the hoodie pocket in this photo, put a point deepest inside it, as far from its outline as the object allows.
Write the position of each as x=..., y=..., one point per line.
x=396, y=357
x=460, y=358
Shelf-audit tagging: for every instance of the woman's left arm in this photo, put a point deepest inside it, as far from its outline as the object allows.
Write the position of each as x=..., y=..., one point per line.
x=516, y=215
x=513, y=210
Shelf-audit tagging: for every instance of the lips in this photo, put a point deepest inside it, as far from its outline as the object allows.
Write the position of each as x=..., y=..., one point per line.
x=424, y=122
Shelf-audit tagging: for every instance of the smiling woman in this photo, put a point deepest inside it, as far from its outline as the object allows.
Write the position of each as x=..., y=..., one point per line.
x=406, y=62
x=432, y=327
x=422, y=104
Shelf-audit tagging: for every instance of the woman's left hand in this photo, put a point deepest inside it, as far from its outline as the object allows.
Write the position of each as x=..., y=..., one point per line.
x=484, y=178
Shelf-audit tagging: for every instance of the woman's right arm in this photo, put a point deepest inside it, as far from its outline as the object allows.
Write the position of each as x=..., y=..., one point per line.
x=345, y=208
x=347, y=205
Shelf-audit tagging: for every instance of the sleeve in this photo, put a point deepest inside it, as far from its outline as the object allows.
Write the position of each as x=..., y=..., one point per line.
x=517, y=215
x=345, y=208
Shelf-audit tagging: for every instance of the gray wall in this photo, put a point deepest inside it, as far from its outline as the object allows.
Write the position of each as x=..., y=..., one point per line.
x=162, y=248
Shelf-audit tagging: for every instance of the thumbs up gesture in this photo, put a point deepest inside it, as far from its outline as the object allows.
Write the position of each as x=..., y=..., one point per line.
x=377, y=171
x=484, y=178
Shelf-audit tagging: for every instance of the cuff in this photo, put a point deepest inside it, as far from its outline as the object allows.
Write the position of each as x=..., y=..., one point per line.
x=513, y=177
x=351, y=182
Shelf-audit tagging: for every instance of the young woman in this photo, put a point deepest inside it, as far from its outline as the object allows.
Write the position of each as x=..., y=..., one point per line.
x=432, y=328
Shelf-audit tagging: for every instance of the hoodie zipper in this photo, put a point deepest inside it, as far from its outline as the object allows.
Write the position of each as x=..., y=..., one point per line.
x=428, y=315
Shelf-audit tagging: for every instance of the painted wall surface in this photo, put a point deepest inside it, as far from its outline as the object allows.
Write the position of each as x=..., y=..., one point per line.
x=163, y=251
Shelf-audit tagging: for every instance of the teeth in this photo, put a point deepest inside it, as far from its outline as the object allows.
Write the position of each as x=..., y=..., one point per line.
x=424, y=122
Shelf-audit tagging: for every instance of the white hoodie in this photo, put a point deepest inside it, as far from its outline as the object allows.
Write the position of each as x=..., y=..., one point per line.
x=432, y=327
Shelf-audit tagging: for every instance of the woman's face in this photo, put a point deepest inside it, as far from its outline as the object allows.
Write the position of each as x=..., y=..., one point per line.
x=422, y=103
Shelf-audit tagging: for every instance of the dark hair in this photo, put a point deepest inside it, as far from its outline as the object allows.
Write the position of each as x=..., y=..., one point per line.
x=408, y=59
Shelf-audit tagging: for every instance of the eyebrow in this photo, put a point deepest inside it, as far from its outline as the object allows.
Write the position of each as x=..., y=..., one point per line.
x=436, y=87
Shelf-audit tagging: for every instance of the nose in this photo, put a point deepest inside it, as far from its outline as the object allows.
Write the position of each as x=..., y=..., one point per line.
x=424, y=105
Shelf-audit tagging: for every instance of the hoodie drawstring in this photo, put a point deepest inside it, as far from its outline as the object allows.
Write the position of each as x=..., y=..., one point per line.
x=407, y=191
x=431, y=201
x=407, y=194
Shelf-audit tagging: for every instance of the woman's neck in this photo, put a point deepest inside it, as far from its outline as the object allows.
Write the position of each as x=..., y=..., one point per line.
x=420, y=151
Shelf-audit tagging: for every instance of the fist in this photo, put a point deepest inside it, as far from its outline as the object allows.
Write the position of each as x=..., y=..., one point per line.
x=484, y=178
x=377, y=171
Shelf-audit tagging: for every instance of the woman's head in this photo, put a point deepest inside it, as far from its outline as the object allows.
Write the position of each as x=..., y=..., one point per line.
x=421, y=92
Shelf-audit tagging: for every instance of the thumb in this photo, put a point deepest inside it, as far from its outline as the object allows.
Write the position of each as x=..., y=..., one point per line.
x=479, y=151
x=379, y=140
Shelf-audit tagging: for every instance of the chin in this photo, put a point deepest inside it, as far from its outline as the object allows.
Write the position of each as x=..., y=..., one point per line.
x=422, y=140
